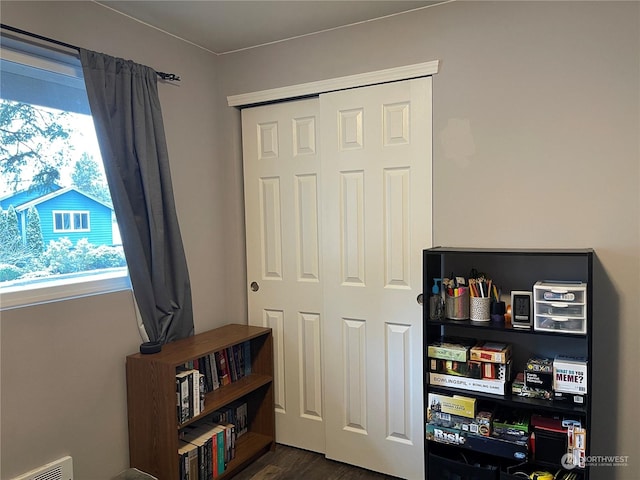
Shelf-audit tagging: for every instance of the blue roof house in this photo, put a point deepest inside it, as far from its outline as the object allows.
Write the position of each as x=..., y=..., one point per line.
x=65, y=212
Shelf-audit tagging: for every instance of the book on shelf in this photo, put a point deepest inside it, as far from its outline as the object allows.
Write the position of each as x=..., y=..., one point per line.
x=234, y=413
x=190, y=393
x=205, y=369
x=219, y=454
x=230, y=441
x=237, y=353
x=206, y=449
x=246, y=347
x=183, y=394
x=223, y=367
x=201, y=391
x=240, y=355
x=188, y=457
x=231, y=363
x=201, y=436
x=241, y=418
x=214, y=371
x=194, y=385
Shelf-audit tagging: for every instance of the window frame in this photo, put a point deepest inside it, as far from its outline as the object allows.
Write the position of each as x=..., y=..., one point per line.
x=72, y=221
x=61, y=289
x=40, y=54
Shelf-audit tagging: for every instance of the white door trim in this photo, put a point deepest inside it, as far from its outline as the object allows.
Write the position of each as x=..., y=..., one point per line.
x=340, y=83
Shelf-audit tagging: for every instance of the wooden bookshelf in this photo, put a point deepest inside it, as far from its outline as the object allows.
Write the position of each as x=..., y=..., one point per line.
x=151, y=399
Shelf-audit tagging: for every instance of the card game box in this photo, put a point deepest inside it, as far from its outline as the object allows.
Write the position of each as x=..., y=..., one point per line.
x=519, y=388
x=538, y=380
x=538, y=364
x=538, y=374
x=570, y=374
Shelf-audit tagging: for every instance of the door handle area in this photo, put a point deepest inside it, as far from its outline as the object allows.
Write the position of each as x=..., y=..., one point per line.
x=419, y=299
x=254, y=286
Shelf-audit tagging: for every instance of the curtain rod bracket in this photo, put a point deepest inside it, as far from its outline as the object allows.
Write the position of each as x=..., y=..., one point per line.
x=170, y=77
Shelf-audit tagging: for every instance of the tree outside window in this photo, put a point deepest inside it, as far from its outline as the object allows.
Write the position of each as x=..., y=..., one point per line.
x=56, y=214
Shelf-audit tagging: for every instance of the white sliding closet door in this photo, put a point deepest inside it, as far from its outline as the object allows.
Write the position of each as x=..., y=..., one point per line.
x=376, y=156
x=338, y=210
x=281, y=182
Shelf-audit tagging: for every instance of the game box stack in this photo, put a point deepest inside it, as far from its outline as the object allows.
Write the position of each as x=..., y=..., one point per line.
x=468, y=365
x=463, y=421
x=562, y=378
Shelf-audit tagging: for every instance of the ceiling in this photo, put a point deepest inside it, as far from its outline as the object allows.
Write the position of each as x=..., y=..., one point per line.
x=223, y=26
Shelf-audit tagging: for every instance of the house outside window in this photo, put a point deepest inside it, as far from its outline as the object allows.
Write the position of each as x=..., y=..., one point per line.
x=58, y=232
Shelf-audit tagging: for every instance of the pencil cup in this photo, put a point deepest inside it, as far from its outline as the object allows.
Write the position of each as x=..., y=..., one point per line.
x=479, y=309
x=456, y=307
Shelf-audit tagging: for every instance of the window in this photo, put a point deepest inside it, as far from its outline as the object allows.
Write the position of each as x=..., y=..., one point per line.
x=59, y=236
x=70, y=222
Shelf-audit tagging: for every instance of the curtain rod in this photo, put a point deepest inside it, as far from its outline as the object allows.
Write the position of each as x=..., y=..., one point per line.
x=164, y=76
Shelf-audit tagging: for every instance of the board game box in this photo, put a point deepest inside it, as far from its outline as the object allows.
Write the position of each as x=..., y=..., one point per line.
x=450, y=348
x=491, y=352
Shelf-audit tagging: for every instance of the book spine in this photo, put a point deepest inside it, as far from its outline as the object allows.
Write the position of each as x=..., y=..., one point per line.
x=223, y=370
x=183, y=386
x=214, y=455
x=236, y=356
x=247, y=358
x=205, y=369
x=220, y=450
x=194, y=464
x=202, y=462
x=182, y=464
x=202, y=392
x=214, y=372
x=232, y=364
x=230, y=442
x=241, y=419
x=194, y=384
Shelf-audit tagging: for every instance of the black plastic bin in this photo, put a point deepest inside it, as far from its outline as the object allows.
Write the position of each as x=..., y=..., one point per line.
x=444, y=468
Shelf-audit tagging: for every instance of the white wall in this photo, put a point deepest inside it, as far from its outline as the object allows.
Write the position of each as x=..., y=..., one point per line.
x=541, y=101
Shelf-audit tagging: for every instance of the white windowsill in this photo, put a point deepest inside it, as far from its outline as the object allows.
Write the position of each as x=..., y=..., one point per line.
x=63, y=289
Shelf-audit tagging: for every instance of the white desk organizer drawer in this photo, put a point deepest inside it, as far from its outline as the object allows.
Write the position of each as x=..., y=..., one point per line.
x=560, y=307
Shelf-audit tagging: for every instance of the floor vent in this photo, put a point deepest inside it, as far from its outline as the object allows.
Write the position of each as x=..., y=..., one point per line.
x=61, y=469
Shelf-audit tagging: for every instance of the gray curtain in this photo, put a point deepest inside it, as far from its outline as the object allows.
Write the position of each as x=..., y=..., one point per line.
x=123, y=97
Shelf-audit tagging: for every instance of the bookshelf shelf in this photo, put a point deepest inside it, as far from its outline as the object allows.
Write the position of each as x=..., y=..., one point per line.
x=151, y=399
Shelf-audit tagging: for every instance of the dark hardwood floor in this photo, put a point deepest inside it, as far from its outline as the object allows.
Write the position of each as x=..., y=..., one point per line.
x=288, y=463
